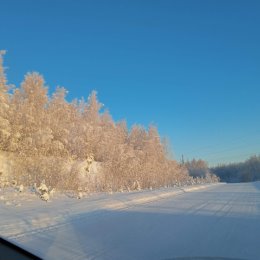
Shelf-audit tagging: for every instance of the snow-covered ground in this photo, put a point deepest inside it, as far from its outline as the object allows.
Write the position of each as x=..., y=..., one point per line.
x=217, y=220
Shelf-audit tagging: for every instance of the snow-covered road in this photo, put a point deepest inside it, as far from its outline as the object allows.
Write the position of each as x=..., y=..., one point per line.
x=215, y=221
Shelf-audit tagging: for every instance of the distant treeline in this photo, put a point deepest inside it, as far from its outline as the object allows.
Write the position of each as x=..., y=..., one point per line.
x=246, y=171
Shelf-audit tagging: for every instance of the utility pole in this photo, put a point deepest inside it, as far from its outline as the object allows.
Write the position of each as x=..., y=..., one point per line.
x=182, y=159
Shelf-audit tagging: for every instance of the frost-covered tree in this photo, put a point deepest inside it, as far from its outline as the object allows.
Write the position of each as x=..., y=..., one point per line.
x=91, y=119
x=197, y=168
x=28, y=115
x=62, y=118
x=246, y=171
x=5, y=127
x=92, y=109
x=137, y=137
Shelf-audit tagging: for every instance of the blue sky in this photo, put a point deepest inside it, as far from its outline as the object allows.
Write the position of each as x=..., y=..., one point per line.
x=190, y=67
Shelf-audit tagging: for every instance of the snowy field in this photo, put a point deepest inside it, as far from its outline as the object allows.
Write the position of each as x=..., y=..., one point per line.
x=217, y=220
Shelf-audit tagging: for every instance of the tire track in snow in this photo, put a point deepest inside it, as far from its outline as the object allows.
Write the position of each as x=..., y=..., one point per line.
x=118, y=205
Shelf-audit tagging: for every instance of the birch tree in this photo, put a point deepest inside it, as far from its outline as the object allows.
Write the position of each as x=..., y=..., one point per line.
x=5, y=127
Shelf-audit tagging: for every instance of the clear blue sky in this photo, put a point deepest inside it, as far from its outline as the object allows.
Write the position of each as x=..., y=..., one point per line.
x=190, y=67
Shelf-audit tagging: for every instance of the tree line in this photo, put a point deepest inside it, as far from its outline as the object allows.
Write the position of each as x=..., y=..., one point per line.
x=47, y=137
x=246, y=171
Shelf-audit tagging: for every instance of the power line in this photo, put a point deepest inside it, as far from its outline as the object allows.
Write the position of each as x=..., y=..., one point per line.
x=231, y=141
x=236, y=158
x=231, y=149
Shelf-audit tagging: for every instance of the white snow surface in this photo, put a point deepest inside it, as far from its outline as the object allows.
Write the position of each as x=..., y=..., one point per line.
x=215, y=220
